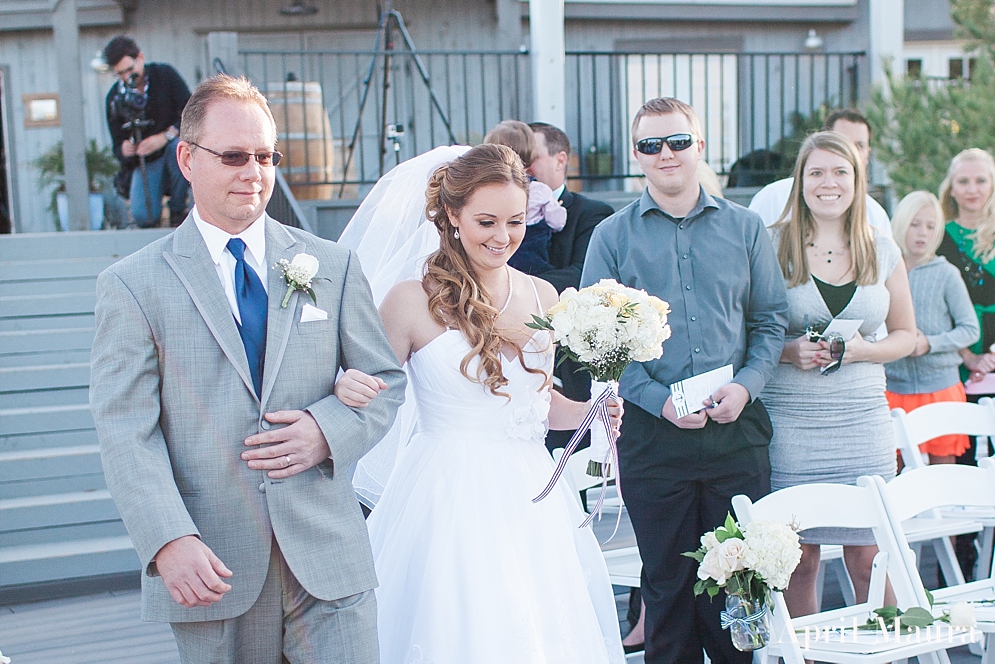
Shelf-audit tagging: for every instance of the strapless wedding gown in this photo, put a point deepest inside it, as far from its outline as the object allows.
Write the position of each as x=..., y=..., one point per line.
x=472, y=571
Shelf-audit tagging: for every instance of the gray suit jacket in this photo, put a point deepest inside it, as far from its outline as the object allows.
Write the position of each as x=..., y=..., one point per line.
x=172, y=400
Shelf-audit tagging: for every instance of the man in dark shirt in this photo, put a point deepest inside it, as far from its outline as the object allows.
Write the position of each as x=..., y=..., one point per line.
x=712, y=260
x=567, y=248
x=143, y=114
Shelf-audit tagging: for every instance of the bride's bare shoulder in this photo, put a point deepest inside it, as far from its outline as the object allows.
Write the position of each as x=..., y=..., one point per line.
x=407, y=302
x=406, y=291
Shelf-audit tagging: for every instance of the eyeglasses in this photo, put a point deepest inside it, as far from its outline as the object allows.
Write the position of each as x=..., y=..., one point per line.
x=676, y=143
x=240, y=158
x=837, y=348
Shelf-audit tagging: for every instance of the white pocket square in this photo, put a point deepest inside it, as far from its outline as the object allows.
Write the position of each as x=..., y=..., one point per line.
x=310, y=313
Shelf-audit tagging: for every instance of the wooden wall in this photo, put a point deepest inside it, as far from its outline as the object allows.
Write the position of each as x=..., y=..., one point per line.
x=175, y=31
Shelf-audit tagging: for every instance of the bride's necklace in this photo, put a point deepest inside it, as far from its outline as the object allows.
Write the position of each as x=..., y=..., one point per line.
x=511, y=291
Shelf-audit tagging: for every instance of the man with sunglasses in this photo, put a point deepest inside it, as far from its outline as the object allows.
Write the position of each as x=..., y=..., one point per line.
x=146, y=103
x=225, y=450
x=712, y=260
x=769, y=202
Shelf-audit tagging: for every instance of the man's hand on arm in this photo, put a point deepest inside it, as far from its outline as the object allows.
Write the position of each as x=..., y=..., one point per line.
x=690, y=421
x=128, y=149
x=191, y=572
x=727, y=403
x=292, y=449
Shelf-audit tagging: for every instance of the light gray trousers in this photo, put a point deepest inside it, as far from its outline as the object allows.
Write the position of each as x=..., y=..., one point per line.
x=286, y=624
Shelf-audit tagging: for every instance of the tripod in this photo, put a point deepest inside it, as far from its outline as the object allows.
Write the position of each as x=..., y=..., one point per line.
x=390, y=19
x=135, y=126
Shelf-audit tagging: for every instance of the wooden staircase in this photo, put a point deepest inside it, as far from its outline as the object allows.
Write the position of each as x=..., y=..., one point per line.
x=58, y=524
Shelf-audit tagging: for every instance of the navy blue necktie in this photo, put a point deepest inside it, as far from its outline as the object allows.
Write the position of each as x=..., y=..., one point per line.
x=252, y=302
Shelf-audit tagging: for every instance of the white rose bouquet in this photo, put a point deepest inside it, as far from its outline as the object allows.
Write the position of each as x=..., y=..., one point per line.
x=603, y=328
x=749, y=561
x=606, y=326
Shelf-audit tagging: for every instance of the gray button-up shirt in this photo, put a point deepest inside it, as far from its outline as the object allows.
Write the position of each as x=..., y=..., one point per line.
x=717, y=269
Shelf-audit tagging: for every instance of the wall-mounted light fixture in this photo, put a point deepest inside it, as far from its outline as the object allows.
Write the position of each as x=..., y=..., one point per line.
x=98, y=64
x=813, y=42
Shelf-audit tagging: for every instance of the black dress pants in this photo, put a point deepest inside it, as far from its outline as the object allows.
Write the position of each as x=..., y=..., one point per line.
x=677, y=485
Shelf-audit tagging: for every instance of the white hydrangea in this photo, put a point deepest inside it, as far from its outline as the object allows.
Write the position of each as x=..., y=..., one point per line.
x=772, y=551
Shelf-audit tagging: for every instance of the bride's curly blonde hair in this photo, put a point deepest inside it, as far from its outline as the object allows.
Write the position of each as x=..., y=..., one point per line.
x=455, y=297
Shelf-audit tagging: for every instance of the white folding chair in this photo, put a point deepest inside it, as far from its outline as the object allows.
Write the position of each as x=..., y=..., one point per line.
x=935, y=487
x=928, y=422
x=840, y=506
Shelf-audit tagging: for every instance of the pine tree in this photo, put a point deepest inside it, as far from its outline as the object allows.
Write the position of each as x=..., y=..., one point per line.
x=919, y=124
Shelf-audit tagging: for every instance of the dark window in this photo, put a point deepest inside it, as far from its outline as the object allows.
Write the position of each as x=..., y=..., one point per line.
x=956, y=68
x=913, y=68
x=971, y=64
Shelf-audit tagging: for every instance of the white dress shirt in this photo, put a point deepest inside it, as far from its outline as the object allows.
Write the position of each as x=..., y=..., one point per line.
x=217, y=244
x=769, y=203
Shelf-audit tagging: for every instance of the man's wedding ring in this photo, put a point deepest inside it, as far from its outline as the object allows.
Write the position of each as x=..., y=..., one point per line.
x=287, y=459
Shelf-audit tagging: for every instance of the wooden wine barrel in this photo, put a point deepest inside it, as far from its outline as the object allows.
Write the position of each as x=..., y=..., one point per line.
x=304, y=137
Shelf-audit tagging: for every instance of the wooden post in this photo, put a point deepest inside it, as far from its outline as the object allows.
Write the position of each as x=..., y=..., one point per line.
x=66, y=31
x=547, y=48
x=887, y=38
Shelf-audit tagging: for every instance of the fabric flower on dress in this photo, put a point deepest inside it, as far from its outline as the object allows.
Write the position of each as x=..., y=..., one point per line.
x=528, y=420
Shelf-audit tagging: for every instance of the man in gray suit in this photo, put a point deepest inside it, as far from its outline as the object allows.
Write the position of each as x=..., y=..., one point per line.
x=222, y=443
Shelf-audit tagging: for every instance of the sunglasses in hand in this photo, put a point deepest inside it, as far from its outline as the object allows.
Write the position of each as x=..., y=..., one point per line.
x=676, y=143
x=240, y=158
x=837, y=348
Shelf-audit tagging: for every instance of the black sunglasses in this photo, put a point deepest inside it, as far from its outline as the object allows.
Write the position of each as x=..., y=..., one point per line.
x=837, y=348
x=239, y=158
x=676, y=143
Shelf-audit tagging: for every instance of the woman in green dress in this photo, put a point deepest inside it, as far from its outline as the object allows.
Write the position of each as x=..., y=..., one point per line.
x=969, y=243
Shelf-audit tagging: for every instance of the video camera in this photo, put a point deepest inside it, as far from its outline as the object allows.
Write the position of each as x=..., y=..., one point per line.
x=129, y=104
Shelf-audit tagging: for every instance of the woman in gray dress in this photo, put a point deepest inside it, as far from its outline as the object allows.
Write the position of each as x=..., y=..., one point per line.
x=826, y=399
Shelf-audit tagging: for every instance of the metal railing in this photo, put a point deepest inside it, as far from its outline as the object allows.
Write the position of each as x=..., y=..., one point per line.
x=747, y=102
x=318, y=109
x=283, y=206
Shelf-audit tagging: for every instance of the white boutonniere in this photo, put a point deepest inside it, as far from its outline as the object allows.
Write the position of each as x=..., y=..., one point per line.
x=298, y=274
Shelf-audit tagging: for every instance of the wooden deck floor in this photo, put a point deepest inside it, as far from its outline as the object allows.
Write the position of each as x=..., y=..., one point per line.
x=104, y=628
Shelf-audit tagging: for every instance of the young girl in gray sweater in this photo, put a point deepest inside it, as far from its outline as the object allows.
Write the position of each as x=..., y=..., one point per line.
x=945, y=321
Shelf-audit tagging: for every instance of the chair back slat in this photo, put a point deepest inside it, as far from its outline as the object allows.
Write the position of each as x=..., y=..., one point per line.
x=942, y=485
x=812, y=506
x=949, y=417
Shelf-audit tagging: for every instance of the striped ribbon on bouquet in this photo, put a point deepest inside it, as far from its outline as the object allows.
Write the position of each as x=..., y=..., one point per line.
x=726, y=621
x=599, y=409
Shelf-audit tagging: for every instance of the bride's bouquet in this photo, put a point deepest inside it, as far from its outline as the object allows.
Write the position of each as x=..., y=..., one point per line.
x=748, y=562
x=603, y=328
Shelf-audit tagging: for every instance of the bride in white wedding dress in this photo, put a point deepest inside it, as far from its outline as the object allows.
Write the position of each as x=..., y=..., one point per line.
x=472, y=571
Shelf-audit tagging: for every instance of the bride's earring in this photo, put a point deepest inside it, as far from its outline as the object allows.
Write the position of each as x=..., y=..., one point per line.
x=456, y=234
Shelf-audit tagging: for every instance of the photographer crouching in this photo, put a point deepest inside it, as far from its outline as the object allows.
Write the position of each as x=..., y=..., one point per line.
x=143, y=114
